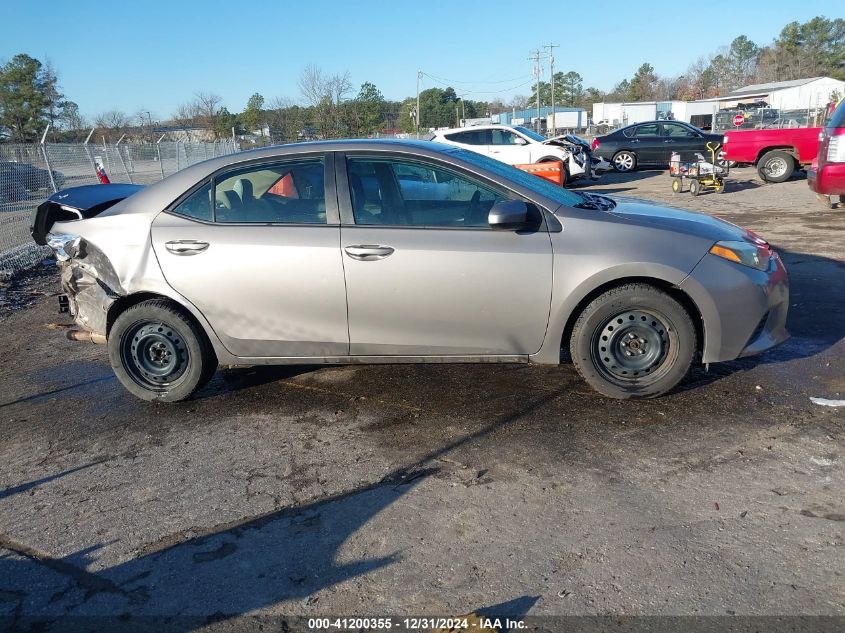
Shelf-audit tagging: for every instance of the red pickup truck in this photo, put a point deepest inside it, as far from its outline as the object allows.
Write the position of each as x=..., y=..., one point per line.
x=777, y=153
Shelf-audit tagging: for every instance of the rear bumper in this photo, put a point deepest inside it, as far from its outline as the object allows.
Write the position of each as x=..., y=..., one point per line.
x=743, y=309
x=829, y=179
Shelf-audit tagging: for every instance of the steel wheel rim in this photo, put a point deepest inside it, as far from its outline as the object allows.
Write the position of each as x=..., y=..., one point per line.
x=154, y=354
x=632, y=346
x=624, y=161
x=776, y=167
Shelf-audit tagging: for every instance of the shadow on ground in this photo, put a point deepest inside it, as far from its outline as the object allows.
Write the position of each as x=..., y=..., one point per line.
x=232, y=569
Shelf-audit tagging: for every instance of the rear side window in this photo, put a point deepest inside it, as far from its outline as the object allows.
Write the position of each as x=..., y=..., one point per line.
x=647, y=130
x=475, y=137
x=289, y=192
x=197, y=205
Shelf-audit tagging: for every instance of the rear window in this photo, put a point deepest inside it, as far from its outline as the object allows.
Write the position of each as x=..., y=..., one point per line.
x=838, y=118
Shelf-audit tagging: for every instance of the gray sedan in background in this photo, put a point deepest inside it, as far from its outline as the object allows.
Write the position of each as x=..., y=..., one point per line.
x=402, y=252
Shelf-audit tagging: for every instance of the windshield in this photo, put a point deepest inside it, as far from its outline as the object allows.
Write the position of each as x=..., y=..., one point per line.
x=536, y=183
x=530, y=133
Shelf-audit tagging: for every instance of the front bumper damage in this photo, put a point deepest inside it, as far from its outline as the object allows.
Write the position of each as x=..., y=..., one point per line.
x=744, y=309
x=89, y=283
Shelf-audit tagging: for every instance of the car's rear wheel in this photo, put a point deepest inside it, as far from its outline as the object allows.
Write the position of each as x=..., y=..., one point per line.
x=624, y=161
x=158, y=353
x=633, y=341
x=694, y=187
x=776, y=166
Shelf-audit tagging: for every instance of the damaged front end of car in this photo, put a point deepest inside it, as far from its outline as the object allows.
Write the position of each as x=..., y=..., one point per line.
x=90, y=284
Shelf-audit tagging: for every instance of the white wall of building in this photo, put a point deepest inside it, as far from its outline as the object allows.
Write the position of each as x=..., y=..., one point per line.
x=814, y=94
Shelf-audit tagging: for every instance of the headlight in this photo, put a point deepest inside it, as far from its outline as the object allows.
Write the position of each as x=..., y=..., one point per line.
x=65, y=245
x=745, y=253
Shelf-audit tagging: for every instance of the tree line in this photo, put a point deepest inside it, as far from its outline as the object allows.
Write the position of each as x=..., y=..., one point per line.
x=330, y=106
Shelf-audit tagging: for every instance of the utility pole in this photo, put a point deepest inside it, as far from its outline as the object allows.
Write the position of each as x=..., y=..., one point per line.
x=551, y=48
x=417, y=118
x=535, y=57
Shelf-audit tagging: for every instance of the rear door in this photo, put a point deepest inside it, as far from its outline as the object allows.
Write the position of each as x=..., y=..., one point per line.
x=256, y=250
x=425, y=273
x=647, y=143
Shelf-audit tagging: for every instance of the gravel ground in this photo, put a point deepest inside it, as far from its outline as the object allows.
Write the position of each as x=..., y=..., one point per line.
x=438, y=490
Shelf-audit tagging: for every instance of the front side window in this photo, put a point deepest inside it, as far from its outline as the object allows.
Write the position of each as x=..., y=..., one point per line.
x=505, y=137
x=288, y=192
x=411, y=193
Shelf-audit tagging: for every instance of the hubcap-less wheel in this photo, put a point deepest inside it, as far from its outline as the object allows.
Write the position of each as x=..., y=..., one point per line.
x=775, y=167
x=631, y=345
x=154, y=354
x=623, y=161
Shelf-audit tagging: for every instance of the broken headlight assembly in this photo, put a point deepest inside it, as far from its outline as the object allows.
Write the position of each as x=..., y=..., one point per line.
x=65, y=245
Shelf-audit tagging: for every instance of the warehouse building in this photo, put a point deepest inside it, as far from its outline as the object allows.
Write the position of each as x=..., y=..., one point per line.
x=808, y=95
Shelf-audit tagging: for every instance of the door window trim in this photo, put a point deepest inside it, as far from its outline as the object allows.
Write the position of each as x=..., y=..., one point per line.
x=344, y=194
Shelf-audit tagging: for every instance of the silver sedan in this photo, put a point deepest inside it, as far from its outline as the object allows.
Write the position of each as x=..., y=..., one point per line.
x=402, y=252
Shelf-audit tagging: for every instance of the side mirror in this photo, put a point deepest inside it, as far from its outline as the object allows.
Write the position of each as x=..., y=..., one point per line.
x=520, y=141
x=509, y=215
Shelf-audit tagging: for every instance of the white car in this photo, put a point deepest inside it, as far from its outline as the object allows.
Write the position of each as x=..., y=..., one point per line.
x=516, y=145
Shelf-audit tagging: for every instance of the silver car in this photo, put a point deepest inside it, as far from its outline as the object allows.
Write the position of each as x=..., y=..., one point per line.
x=402, y=252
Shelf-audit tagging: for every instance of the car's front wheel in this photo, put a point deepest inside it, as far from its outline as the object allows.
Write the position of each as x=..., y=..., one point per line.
x=158, y=353
x=633, y=341
x=624, y=161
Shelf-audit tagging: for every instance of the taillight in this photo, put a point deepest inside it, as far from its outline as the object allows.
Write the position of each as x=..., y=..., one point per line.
x=836, y=146
x=595, y=143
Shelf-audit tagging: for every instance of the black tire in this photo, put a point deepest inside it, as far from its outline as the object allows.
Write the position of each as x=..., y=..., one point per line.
x=624, y=161
x=694, y=187
x=776, y=166
x=640, y=319
x=158, y=353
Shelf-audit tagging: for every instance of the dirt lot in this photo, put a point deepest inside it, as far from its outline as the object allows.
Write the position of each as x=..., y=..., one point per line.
x=437, y=490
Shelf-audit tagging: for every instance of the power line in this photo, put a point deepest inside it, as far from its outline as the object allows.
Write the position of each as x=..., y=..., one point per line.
x=479, y=92
x=458, y=81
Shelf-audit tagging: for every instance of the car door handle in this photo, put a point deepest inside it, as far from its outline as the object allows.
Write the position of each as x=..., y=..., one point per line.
x=186, y=247
x=668, y=140
x=368, y=252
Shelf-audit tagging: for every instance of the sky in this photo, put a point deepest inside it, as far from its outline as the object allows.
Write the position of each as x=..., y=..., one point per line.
x=152, y=55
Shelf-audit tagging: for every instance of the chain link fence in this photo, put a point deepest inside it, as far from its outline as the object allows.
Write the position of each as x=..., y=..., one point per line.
x=32, y=172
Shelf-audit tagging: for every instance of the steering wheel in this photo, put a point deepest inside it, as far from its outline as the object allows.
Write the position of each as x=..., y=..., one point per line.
x=472, y=211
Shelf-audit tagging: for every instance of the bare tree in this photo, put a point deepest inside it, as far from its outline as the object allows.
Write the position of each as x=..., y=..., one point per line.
x=207, y=105
x=313, y=85
x=114, y=122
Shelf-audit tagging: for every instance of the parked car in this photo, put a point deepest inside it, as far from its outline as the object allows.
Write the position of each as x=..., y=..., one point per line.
x=827, y=177
x=11, y=189
x=29, y=177
x=517, y=145
x=652, y=143
x=776, y=153
x=400, y=251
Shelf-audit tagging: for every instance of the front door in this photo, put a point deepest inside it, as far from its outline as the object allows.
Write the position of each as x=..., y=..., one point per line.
x=509, y=147
x=425, y=273
x=679, y=138
x=257, y=250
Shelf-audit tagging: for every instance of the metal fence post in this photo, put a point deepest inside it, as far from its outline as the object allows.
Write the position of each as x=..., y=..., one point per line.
x=47, y=159
x=120, y=156
x=88, y=151
x=158, y=152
